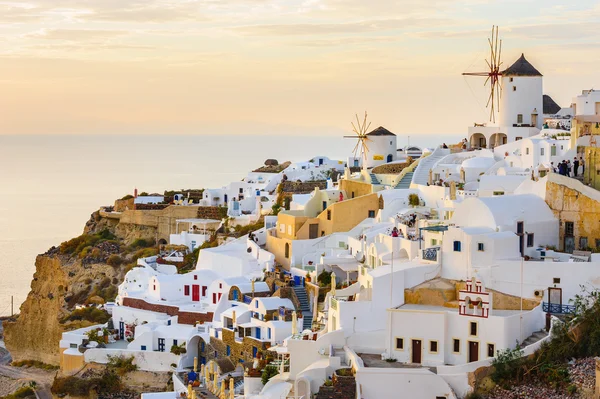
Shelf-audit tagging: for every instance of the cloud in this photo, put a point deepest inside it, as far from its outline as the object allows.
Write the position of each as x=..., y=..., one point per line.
x=76, y=34
x=344, y=41
x=300, y=29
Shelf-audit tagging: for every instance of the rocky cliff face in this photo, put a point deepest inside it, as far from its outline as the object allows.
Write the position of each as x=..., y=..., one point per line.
x=63, y=280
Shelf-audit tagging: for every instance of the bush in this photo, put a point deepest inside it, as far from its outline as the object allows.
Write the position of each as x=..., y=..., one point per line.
x=34, y=363
x=178, y=350
x=413, y=200
x=507, y=366
x=141, y=243
x=75, y=386
x=121, y=364
x=23, y=392
x=114, y=260
x=268, y=373
x=324, y=279
x=78, y=244
x=127, y=197
x=91, y=313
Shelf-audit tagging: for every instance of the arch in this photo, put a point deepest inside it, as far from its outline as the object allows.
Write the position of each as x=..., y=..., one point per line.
x=162, y=241
x=192, y=351
x=302, y=388
x=390, y=158
x=287, y=250
x=498, y=139
x=478, y=140
x=403, y=253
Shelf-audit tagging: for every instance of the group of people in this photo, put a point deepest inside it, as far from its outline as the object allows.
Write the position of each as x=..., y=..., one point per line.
x=568, y=168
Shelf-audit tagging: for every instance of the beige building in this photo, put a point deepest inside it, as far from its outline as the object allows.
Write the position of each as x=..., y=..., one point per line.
x=319, y=218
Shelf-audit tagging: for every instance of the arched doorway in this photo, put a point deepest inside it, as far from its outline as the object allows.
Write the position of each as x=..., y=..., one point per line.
x=478, y=141
x=162, y=241
x=498, y=139
x=302, y=388
x=390, y=158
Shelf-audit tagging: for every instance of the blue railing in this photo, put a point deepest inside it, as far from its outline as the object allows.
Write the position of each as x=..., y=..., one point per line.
x=430, y=254
x=556, y=308
x=247, y=299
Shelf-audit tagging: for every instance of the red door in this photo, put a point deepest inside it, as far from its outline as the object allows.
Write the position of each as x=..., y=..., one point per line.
x=214, y=297
x=195, y=293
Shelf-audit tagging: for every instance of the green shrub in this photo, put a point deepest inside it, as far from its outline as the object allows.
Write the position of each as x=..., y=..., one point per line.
x=268, y=373
x=78, y=244
x=328, y=383
x=507, y=366
x=324, y=279
x=127, y=197
x=23, y=392
x=114, y=260
x=178, y=350
x=121, y=364
x=90, y=313
x=413, y=200
x=34, y=363
x=141, y=243
x=75, y=386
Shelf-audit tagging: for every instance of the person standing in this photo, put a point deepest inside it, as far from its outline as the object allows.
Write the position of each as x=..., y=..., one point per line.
x=569, y=168
x=575, y=166
x=582, y=163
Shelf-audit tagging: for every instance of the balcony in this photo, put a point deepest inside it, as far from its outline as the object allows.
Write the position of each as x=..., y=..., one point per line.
x=431, y=254
x=557, y=308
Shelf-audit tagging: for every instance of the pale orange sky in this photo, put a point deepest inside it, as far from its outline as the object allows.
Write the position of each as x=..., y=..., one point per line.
x=275, y=66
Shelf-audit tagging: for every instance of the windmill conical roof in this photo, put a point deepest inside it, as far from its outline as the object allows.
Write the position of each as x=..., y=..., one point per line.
x=380, y=131
x=521, y=67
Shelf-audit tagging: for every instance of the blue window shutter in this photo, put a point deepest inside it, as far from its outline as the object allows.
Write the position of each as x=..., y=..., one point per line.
x=143, y=347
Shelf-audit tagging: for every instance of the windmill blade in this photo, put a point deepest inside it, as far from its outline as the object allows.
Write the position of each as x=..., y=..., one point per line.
x=367, y=128
x=354, y=129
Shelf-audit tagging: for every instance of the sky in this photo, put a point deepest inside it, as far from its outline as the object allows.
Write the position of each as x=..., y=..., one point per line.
x=302, y=67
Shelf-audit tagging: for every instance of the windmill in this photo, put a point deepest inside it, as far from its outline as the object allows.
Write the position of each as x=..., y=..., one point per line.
x=493, y=75
x=360, y=129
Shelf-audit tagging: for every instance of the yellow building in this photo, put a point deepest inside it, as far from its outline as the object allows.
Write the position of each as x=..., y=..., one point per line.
x=577, y=207
x=319, y=218
x=591, y=173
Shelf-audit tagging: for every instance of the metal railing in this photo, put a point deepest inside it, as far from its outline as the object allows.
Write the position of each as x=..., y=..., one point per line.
x=557, y=308
x=431, y=254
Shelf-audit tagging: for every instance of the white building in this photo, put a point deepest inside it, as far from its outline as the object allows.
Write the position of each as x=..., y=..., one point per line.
x=382, y=149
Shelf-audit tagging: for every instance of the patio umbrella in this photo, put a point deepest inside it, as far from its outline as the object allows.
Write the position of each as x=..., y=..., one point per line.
x=333, y=284
x=231, y=389
x=195, y=364
x=189, y=392
x=222, y=395
x=203, y=372
x=216, y=381
x=294, y=323
x=233, y=316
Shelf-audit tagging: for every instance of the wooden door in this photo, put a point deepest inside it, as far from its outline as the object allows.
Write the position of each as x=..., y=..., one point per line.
x=473, y=351
x=313, y=231
x=569, y=244
x=417, y=349
x=161, y=344
x=195, y=293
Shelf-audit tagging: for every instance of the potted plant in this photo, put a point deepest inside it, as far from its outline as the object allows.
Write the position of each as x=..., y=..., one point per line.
x=308, y=278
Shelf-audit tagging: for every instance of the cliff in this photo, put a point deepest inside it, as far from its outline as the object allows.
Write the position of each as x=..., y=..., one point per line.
x=86, y=269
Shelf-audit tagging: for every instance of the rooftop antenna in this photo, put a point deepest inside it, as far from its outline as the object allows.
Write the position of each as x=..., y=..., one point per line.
x=360, y=129
x=493, y=74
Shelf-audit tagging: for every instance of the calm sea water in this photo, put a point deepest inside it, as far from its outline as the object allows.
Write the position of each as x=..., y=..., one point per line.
x=49, y=185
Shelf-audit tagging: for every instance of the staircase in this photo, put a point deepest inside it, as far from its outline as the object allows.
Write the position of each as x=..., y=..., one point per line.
x=307, y=316
x=238, y=387
x=535, y=337
x=405, y=181
x=421, y=175
x=374, y=179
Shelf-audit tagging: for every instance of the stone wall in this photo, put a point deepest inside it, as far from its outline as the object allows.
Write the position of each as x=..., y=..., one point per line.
x=240, y=350
x=303, y=187
x=190, y=318
x=212, y=212
x=571, y=201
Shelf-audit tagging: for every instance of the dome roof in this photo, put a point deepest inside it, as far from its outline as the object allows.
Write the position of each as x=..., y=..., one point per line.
x=478, y=162
x=521, y=67
x=380, y=131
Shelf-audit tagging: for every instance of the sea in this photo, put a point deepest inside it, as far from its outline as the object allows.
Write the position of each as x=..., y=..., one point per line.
x=51, y=184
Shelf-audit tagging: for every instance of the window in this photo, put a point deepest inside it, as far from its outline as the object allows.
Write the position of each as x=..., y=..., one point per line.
x=514, y=88
x=174, y=341
x=491, y=350
x=154, y=287
x=328, y=214
x=556, y=280
x=473, y=328
x=519, y=118
x=216, y=354
x=433, y=346
x=433, y=242
x=480, y=246
x=530, y=240
x=203, y=290
x=289, y=229
x=400, y=344
x=520, y=228
x=195, y=277
x=269, y=333
x=254, y=351
x=498, y=193
x=241, y=191
x=553, y=150
x=456, y=345
x=527, y=151
x=186, y=290
x=583, y=243
x=456, y=246
x=168, y=322
x=518, y=138
x=202, y=346
x=282, y=228
x=143, y=347
x=569, y=228
x=73, y=346
x=220, y=285
x=256, y=304
x=371, y=214
x=287, y=250
x=511, y=79
x=228, y=350
x=541, y=151
x=352, y=194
